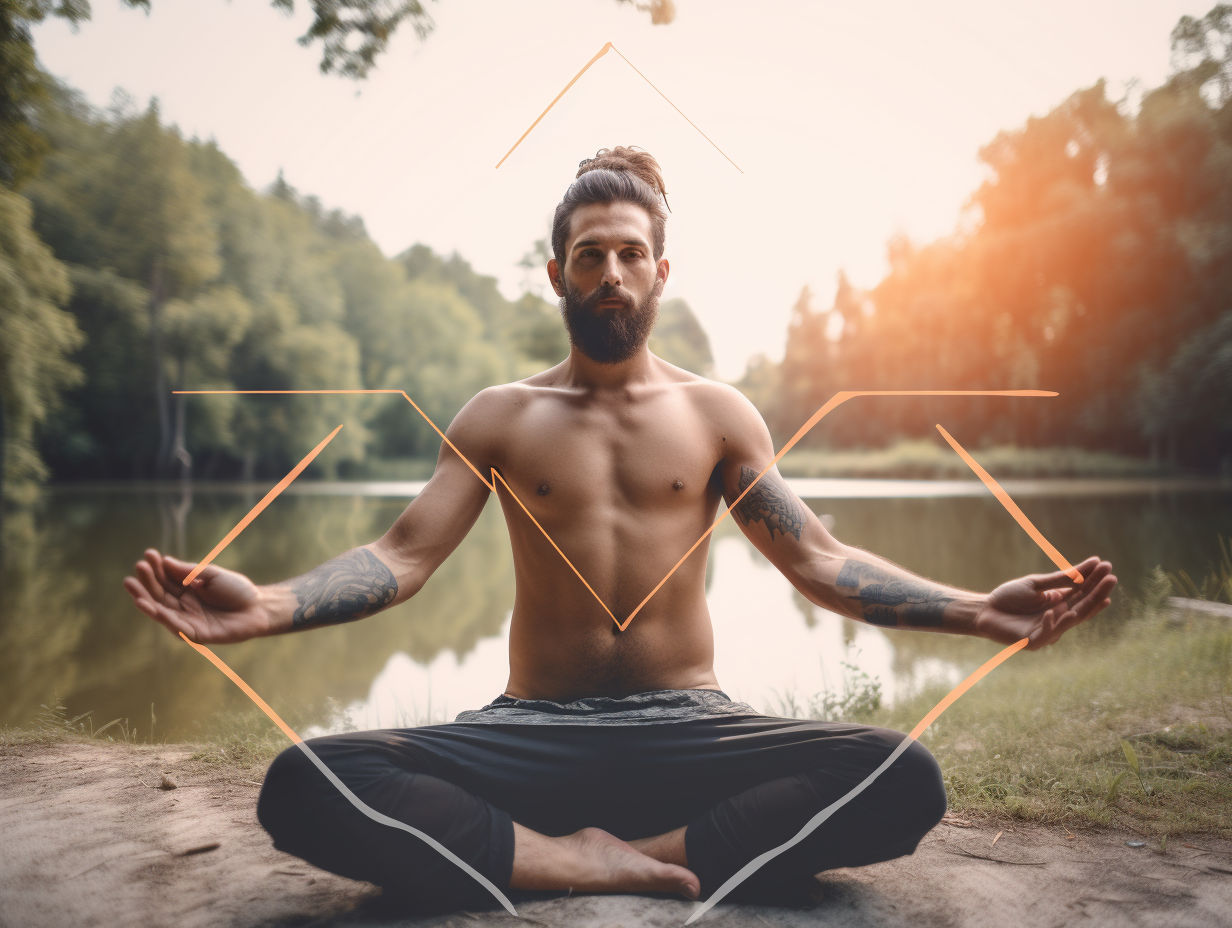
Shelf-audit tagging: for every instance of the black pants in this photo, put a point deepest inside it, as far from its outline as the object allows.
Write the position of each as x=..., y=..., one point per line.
x=741, y=784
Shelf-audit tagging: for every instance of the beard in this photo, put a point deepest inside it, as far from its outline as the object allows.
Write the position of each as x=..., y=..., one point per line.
x=609, y=336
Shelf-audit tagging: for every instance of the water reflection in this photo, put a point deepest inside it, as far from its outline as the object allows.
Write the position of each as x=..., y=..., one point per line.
x=67, y=627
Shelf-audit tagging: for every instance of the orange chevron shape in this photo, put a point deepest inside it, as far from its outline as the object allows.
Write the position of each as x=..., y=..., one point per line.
x=603, y=51
x=837, y=400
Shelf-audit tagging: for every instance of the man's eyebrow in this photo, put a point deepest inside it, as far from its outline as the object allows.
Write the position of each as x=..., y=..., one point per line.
x=585, y=243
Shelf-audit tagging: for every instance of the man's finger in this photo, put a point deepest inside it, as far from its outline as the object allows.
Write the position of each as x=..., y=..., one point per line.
x=177, y=570
x=163, y=616
x=1093, y=579
x=1062, y=578
x=158, y=564
x=1043, y=633
x=154, y=589
x=1090, y=606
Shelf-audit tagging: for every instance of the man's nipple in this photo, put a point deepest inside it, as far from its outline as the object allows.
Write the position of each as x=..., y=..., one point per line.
x=544, y=489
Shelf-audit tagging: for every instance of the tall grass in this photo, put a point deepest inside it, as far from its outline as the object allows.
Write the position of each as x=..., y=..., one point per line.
x=1137, y=733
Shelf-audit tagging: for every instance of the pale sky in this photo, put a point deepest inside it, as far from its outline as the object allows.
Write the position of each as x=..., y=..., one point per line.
x=851, y=121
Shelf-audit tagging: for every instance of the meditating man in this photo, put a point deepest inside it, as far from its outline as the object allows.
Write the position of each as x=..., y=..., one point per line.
x=612, y=761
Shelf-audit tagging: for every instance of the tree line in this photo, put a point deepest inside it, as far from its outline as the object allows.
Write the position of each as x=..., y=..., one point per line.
x=1095, y=260
x=144, y=264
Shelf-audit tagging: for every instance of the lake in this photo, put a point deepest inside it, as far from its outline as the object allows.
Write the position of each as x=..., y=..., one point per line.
x=68, y=629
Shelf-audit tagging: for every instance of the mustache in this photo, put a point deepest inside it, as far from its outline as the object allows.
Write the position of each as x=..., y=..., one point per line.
x=607, y=292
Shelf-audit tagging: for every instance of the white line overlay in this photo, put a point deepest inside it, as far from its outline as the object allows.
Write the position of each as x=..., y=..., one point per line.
x=394, y=823
x=753, y=865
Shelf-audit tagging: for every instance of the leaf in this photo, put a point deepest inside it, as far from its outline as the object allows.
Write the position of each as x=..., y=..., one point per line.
x=1131, y=757
x=1116, y=785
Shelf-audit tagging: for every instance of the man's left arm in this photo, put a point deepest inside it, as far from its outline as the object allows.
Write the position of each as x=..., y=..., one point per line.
x=869, y=588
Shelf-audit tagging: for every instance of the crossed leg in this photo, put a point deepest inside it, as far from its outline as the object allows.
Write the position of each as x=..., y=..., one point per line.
x=670, y=807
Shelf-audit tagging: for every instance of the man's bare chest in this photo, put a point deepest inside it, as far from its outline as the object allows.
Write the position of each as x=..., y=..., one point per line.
x=568, y=458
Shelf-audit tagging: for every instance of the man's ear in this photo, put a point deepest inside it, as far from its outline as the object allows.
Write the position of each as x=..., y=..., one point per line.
x=555, y=278
x=662, y=269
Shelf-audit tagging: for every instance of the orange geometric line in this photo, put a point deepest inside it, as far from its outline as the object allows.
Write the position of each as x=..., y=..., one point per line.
x=347, y=794
x=603, y=51
x=837, y=400
x=404, y=396
x=256, y=510
x=497, y=476
x=817, y=820
x=676, y=108
x=248, y=690
x=975, y=678
x=1036, y=535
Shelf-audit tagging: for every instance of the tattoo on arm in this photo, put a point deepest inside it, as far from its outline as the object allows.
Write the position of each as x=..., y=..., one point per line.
x=348, y=587
x=770, y=502
x=890, y=599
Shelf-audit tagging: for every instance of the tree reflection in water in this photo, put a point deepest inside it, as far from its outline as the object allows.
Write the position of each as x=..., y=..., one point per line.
x=67, y=627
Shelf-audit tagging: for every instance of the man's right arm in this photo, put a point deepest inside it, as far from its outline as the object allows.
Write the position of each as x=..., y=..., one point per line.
x=222, y=606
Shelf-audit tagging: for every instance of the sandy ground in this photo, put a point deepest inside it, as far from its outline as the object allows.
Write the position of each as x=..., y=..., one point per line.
x=88, y=838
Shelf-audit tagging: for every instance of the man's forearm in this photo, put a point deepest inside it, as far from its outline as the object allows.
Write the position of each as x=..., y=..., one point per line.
x=350, y=586
x=879, y=592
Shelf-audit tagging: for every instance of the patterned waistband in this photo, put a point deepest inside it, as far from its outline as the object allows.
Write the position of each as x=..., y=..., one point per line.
x=639, y=709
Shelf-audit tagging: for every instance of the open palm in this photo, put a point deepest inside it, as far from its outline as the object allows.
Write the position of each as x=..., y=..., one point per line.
x=220, y=606
x=1043, y=607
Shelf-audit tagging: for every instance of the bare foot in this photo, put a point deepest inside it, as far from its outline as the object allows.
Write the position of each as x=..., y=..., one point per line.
x=593, y=861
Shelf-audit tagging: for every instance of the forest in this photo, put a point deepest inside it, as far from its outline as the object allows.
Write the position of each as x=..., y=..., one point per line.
x=142, y=264
x=1095, y=260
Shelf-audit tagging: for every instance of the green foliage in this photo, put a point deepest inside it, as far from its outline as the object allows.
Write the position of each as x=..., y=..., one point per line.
x=23, y=85
x=1095, y=261
x=354, y=32
x=184, y=278
x=1054, y=735
x=679, y=338
x=36, y=338
x=859, y=701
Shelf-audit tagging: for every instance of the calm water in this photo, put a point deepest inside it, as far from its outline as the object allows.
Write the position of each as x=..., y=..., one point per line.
x=67, y=627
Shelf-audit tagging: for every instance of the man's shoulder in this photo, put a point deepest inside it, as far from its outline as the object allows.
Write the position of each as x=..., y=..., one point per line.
x=718, y=399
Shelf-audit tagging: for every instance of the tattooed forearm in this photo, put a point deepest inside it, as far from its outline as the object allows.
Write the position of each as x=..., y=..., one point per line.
x=770, y=502
x=889, y=599
x=349, y=587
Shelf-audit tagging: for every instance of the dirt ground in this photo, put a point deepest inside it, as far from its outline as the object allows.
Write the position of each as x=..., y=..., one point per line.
x=90, y=839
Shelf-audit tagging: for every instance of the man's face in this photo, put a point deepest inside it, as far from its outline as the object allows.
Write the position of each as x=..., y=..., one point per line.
x=610, y=285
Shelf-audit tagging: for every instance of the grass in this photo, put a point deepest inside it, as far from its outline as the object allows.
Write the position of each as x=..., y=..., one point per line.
x=928, y=459
x=1134, y=732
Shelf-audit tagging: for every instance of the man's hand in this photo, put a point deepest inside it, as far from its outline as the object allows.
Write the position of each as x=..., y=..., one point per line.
x=220, y=606
x=1043, y=607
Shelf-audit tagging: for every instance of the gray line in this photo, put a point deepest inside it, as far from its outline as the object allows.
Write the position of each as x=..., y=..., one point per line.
x=394, y=823
x=753, y=865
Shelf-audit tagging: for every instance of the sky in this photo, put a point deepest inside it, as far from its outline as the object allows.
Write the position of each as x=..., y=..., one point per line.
x=849, y=122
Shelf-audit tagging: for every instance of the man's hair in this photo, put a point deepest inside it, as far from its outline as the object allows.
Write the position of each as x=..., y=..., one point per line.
x=612, y=175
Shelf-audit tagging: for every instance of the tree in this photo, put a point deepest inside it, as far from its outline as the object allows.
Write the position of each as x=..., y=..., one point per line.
x=1096, y=260
x=679, y=338
x=126, y=198
x=36, y=336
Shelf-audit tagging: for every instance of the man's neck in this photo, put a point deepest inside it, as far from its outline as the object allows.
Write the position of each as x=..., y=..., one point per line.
x=581, y=371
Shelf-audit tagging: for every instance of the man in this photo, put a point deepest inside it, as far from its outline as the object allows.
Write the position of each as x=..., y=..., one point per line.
x=612, y=762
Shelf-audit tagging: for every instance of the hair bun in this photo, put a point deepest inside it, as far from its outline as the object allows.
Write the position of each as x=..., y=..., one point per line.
x=640, y=164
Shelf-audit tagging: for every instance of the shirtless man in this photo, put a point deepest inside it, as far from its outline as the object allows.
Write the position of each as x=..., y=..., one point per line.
x=612, y=762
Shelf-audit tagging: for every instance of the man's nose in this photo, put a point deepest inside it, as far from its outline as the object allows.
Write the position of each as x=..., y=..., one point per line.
x=611, y=271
